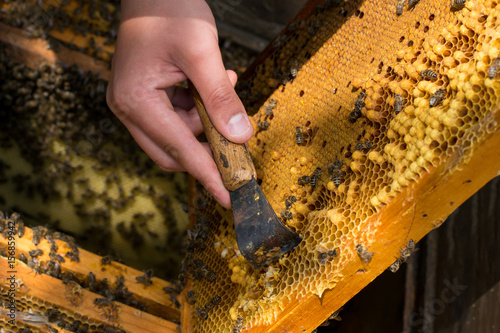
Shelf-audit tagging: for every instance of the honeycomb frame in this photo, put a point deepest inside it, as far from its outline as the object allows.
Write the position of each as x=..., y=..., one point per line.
x=427, y=152
x=420, y=198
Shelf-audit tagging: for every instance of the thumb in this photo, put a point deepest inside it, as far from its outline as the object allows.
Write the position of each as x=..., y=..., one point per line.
x=221, y=101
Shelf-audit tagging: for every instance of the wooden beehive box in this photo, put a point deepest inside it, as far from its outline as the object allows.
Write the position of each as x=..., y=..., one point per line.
x=390, y=174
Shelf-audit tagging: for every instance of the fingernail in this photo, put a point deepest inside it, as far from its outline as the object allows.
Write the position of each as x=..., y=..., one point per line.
x=238, y=125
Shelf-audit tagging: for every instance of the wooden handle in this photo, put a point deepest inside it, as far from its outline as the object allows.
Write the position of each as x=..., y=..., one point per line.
x=233, y=160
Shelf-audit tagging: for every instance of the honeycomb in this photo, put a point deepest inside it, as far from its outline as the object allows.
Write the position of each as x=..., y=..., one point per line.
x=351, y=105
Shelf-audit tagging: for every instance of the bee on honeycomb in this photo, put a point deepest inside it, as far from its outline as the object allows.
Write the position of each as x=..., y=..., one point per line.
x=436, y=98
x=457, y=4
x=336, y=175
x=493, y=69
x=412, y=3
x=400, y=7
x=398, y=103
x=299, y=136
x=363, y=146
x=358, y=105
x=428, y=74
x=286, y=215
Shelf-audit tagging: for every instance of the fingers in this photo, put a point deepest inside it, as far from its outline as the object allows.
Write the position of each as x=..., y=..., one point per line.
x=181, y=152
x=216, y=90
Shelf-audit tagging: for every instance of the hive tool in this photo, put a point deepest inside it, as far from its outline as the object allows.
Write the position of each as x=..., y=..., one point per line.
x=261, y=236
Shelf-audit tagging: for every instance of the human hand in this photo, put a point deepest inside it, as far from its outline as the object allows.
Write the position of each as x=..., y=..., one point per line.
x=161, y=43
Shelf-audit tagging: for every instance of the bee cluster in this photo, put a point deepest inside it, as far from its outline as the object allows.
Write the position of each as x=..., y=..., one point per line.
x=50, y=264
x=56, y=117
x=93, y=19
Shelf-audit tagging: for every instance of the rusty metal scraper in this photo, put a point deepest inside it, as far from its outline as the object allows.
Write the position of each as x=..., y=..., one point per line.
x=260, y=235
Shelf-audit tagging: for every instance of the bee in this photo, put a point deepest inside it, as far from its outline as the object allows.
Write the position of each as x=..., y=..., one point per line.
x=106, y=260
x=263, y=125
x=269, y=111
x=336, y=175
x=175, y=301
x=317, y=172
x=57, y=257
x=146, y=278
x=210, y=275
x=171, y=290
x=72, y=256
x=286, y=215
x=91, y=282
x=34, y=264
x=408, y=250
x=35, y=253
x=52, y=314
x=53, y=269
x=304, y=180
x=325, y=254
x=315, y=176
x=358, y=106
x=363, y=254
x=395, y=265
x=299, y=136
x=400, y=7
x=38, y=233
x=334, y=252
x=360, y=101
x=213, y=302
x=405, y=254
x=322, y=256
x=191, y=297
x=428, y=74
x=436, y=98
x=363, y=145
x=457, y=4
x=289, y=202
x=23, y=258
x=398, y=103
x=202, y=313
x=493, y=69
x=15, y=217
x=335, y=315
x=412, y=3
x=238, y=325
x=294, y=64
x=102, y=302
x=20, y=228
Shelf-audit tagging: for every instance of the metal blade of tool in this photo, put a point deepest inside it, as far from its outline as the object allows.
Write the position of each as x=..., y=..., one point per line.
x=260, y=234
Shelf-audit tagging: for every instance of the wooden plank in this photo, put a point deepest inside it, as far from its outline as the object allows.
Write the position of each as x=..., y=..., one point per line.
x=153, y=296
x=34, y=51
x=53, y=291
